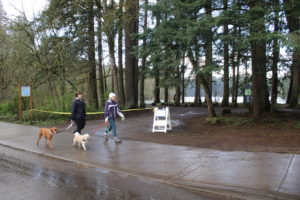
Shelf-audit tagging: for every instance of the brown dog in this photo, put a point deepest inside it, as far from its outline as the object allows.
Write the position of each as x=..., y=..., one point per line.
x=48, y=134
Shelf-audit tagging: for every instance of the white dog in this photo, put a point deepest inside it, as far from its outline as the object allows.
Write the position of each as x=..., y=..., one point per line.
x=81, y=140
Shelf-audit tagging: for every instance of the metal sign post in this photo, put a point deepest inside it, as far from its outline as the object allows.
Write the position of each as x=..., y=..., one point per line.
x=25, y=91
x=20, y=105
x=30, y=102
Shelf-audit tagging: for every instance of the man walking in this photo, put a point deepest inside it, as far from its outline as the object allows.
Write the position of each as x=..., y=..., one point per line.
x=78, y=114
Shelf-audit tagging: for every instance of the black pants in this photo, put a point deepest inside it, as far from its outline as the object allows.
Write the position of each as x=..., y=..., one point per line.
x=80, y=123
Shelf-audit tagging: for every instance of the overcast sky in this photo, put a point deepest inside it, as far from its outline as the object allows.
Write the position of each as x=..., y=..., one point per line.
x=31, y=7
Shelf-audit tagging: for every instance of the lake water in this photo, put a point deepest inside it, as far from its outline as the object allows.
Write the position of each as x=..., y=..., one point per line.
x=219, y=100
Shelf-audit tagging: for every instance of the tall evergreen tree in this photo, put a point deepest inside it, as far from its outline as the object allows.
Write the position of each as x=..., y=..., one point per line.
x=144, y=57
x=260, y=97
x=99, y=14
x=225, y=101
x=110, y=29
x=120, y=53
x=130, y=21
x=92, y=84
x=275, y=55
x=293, y=24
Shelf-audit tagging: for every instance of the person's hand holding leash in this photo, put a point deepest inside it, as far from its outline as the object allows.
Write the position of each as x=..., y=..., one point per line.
x=121, y=115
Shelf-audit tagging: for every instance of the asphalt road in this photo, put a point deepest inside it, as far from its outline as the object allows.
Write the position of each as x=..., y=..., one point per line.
x=24, y=176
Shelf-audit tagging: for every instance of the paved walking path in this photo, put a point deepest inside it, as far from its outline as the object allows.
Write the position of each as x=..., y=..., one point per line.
x=242, y=175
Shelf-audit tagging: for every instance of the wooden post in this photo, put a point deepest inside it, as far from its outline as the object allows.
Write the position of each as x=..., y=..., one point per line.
x=31, y=106
x=20, y=105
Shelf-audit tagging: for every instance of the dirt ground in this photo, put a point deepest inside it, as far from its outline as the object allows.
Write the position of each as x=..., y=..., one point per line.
x=237, y=131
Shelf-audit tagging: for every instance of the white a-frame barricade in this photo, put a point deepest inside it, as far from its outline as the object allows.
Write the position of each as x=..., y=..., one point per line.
x=161, y=120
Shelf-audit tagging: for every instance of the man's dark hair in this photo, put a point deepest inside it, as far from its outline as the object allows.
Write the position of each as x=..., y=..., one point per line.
x=77, y=93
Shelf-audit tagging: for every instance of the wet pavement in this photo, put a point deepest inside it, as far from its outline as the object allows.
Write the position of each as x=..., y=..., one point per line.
x=239, y=175
x=28, y=176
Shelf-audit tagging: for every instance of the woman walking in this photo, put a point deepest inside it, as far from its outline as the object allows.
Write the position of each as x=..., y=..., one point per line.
x=111, y=112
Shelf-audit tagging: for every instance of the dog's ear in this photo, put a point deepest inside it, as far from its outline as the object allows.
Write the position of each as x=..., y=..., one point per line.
x=53, y=130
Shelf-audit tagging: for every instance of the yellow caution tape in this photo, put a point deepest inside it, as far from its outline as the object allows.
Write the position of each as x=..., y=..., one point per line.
x=137, y=109
x=53, y=112
x=88, y=113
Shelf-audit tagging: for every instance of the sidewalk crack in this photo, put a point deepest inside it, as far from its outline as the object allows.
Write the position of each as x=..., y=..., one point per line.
x=286, y=173
x=184, y=171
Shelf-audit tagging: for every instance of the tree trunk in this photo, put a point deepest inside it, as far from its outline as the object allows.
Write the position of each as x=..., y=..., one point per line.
x=105, y=81
x=121, y=73
x=210, y=106
x=178, y=91
x=110, y=35
x=203, y=80
x=275, y=59
x=293, y=23
x=182, y=79
x=120, y=56
x=112, y=82
x=130, y=58
x=197, y=100
x=225, y=101
x=296, y=81
x=236, y=92
x=100, y=58
x=111, y=49
x=208, y=46
x=156, y=86
x=100, y=54
x=245, y=82
x=136, y=44
x=260, y=95
x=92, y=83
x=166, y=99
x=197, y=90
x=143, y=67
x=156, y=70
x=288, y=99
x=233, y=63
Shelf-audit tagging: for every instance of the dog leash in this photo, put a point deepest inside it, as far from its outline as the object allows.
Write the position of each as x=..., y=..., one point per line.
x=71, y=124
x=99, y=127
x=95, y=131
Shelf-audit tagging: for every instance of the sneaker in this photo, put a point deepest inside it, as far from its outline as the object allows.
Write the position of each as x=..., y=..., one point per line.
x=117, y=140
x=106, y=136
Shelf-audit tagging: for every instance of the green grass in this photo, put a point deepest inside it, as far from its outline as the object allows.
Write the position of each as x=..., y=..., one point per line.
x=212, y=120
x=235, y=121
x=44, y=123
x=297, y=124
x=248, y=121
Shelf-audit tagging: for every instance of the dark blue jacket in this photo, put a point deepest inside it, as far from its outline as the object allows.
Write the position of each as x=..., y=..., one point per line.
x=78, y=109
x=111, y=110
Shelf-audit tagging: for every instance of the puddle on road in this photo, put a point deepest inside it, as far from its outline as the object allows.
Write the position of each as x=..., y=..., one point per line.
x=29, y=176
x=176, y=122
x=185, y=114
x=75, y=182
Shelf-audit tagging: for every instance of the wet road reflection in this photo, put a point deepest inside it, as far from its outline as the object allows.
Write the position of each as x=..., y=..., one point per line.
x=27, y=176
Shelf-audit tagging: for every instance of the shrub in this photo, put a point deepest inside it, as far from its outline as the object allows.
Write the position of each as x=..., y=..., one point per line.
x=8, y=107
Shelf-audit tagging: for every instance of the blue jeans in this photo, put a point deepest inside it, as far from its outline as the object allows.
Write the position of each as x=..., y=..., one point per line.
x=112, y=126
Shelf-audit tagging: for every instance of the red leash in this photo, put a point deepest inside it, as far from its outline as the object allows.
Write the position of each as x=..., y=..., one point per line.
x=99, y=127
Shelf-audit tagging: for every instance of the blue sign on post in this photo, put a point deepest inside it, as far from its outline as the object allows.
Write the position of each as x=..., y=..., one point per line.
x=25, y=91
